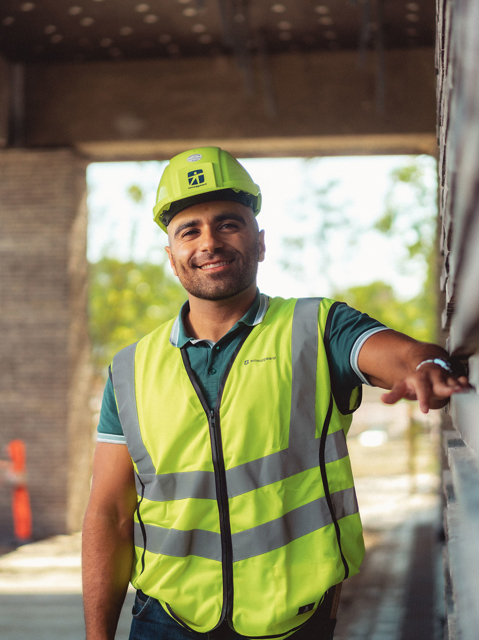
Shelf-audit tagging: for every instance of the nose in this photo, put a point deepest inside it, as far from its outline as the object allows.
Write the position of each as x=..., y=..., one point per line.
x=210, y=240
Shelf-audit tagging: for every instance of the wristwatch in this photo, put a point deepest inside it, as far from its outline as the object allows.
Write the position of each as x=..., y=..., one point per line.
x=440, y=363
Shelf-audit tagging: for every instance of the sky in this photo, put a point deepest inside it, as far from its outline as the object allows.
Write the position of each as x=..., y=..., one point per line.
x=352, y=253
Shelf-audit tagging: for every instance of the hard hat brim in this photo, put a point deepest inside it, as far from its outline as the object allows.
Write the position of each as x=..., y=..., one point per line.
x=212, y=196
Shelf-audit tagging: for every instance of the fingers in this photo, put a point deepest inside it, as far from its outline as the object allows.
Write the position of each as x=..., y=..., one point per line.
x=444, y=388
x=424, y=393
x=423, y=390
x=460, y=384
x=399, y=391
x=394, y=395
x=430, y=386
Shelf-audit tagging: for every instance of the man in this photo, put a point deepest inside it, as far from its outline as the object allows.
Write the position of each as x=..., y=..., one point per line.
x=232, y=507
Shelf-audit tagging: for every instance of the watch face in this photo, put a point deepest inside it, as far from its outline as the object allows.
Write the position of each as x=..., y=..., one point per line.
x=442, y=363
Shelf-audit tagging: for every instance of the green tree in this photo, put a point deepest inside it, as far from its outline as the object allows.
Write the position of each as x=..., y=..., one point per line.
x=379, y=300
x=127, y=301
x=410, y=212
x=411, y=216
x=329, y=217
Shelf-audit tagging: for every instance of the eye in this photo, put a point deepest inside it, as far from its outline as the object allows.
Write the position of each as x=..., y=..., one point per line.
x=189, y=233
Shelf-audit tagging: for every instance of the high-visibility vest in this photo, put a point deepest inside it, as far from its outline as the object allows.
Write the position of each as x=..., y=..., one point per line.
x=246, y=512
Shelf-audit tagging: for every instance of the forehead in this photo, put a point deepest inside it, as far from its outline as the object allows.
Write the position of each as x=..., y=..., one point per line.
x=207, y=211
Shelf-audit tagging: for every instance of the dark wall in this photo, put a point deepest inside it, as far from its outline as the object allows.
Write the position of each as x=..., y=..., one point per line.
x=318, y=94
x=44, y=373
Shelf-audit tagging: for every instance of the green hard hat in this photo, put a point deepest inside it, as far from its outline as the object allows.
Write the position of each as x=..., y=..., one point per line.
x=202, y=175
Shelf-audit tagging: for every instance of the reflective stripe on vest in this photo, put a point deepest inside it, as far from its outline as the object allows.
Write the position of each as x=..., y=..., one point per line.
x=252, y=542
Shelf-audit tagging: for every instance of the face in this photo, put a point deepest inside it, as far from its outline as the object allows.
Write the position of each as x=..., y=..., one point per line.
x=215, y=248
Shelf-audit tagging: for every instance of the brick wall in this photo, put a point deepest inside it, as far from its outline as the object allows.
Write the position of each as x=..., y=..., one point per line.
x=44, y=374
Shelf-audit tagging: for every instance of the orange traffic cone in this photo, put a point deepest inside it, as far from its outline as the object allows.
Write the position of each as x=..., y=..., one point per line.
x=21, y=511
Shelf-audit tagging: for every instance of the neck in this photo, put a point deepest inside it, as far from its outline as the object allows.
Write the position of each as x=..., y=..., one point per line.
x=212, y=319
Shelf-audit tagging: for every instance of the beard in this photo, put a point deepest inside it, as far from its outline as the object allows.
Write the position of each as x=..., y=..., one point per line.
x=220, y=286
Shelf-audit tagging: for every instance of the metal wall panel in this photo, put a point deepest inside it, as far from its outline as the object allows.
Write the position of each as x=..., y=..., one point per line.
x=457, y=53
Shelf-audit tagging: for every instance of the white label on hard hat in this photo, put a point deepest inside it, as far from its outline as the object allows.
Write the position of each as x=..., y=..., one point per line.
x=194, y=157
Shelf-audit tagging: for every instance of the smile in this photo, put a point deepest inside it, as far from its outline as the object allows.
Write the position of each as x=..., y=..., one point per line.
x=214, y=265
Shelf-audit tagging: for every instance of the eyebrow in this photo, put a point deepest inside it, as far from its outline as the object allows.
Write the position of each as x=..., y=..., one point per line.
x=221, y=217
x=186, y=225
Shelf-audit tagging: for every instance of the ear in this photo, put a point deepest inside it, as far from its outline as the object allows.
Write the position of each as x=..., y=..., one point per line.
x=261, y=245
x=172, y=262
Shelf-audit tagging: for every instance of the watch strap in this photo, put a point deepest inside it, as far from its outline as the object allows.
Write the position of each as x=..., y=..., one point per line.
x=440, y=362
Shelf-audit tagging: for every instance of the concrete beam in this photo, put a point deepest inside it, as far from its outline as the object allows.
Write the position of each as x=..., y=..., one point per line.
x=317, y=95
x=295, y=146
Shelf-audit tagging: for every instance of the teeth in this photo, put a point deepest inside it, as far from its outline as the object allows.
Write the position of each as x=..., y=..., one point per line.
x=213, y=265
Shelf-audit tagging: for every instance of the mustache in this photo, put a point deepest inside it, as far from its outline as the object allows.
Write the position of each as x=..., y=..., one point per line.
x=211, y=257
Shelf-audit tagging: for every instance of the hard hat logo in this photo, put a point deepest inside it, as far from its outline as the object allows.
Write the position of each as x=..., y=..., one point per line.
x=194, y=158
x=195, y=178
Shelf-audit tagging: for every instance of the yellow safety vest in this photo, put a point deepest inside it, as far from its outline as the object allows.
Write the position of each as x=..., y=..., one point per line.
x=248, y=512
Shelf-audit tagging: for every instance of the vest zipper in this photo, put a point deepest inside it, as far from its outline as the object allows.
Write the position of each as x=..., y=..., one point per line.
x=213, y=416
x=224, y=514
x=221, y=489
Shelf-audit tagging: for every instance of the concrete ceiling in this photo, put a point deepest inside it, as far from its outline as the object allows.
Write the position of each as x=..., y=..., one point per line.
x=87, y=30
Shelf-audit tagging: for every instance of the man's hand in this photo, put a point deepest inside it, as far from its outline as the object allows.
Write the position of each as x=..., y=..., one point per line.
x=431, y=386
x=390, y=359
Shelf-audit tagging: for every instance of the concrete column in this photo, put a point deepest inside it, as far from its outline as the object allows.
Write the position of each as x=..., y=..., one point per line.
x=44, y=349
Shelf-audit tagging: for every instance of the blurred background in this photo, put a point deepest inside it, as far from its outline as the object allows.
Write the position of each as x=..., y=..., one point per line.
x=344, y=112
x=358, y=229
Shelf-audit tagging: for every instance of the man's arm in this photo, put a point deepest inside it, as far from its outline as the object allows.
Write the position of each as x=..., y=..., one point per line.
x=390, y=359
x=107, y=553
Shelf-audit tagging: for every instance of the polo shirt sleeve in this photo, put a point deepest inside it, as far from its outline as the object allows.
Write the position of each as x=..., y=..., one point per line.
x=349, y=331
x=109, y=428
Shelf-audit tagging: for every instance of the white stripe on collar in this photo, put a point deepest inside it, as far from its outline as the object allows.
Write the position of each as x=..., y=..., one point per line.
x=262, y=309
x=175, y=331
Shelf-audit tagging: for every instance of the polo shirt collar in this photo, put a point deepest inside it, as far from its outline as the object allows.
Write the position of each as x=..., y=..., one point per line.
x=254, y=316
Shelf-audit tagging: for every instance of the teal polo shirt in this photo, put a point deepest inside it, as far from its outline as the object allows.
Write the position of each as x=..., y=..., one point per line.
x=209, y=359
x=349, y=331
